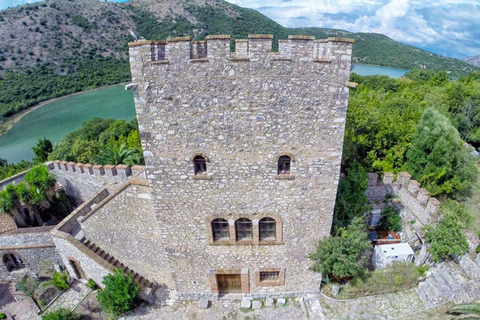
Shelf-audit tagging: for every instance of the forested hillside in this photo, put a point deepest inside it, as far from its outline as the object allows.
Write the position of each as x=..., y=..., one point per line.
x=56, y=47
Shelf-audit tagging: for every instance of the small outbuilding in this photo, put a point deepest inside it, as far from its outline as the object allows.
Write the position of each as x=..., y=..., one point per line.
x=385, y=254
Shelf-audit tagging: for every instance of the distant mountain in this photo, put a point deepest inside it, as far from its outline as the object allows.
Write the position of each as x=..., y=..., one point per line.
x=64, y=46
x=474, y=61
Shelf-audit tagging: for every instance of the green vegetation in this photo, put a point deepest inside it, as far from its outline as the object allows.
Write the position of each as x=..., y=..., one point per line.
x=391, y=220
x=437, y=157
x=59, y=280
x=61, y=314
x=103, y=141
x=8, y=170
x=24, y=201
x=119, y=294
x=27, y=285
x=342, y=256
x=466, y=311
x=447, y=238
x=41, y=151
x=383, y=122
x=3, y=315
x=395, y=277
x=351, y=201
x=91, y=284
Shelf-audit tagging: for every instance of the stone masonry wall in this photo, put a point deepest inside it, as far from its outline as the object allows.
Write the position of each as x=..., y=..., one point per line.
x=126, y=228
x=33, y=246
x=242, y=110
x=83, y=181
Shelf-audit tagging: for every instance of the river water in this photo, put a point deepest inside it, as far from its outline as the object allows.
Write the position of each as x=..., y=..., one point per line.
x=55, y=120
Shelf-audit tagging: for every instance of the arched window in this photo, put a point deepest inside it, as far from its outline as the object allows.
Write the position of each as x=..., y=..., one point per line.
x=199, y=165
x=267, y=230
x=220, y=230
x=243, y=228
x=284, y=165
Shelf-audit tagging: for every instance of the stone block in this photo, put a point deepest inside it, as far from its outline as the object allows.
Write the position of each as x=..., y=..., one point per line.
x=388, y=178
x=413, y=187
x=335, y=290
x=432, y=206
x=203, y=303
x=422, y=196
x=372, y=179
x=269, y=302
x=245, y=304
x=281, y=301
x=403, y=179
x=256, y=304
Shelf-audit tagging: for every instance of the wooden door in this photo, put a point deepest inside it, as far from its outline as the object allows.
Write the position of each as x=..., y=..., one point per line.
x=78, y=269
x=229, y=283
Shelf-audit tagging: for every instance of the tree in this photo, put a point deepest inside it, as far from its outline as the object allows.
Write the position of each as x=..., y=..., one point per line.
x=118, y=155
x=8, y=205
x=447, y=237
x=43, y=148
x=119, y=293
x=342, y=256
x=437, y=157
x=351, y=200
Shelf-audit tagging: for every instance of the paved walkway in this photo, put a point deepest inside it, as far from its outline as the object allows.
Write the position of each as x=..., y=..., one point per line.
x=69, y=299
x=220, y=310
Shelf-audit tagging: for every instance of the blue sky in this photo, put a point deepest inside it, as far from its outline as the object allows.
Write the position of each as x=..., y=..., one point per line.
x=447, y=27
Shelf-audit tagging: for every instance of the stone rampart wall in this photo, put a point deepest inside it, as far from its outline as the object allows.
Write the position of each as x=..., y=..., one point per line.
x=14, y=179
x=124, y=225
x=7, y=223
x=83, y=181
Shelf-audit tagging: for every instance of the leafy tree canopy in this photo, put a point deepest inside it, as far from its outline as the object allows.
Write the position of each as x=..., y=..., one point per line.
x=342, y=256
x=119, y=293
x=438, y=158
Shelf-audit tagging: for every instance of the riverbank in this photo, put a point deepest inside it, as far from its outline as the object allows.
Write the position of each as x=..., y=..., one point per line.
x=7, y=124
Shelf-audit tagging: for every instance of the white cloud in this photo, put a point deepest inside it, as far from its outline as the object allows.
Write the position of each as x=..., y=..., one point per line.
x=448, y=27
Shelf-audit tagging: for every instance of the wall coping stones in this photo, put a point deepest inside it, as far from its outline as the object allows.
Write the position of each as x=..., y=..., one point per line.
x=413, y=188
x=261, y=48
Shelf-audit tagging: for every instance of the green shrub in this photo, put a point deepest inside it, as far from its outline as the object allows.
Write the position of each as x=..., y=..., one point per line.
x=119, y=293
x=59, y=280
x=3, y=315
x=61, y=314
x=391, y=220
x=395, y=277
x=447, y=238
x=27, y=285
x=342, y=256
x=91, y=284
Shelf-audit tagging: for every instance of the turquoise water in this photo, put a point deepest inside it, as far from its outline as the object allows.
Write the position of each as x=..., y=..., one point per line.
x=55, y=120
x=368, y=70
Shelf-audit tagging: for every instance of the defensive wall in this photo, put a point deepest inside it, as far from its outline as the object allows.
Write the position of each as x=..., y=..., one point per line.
x=82, y=181
x=417, y=207
x=241, y=111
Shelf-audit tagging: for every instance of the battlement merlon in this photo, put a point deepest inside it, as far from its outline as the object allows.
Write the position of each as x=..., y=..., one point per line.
x=216, y=48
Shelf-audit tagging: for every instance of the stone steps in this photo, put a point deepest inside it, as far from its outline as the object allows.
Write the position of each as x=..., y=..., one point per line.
x=140, y=280
x=314, y=308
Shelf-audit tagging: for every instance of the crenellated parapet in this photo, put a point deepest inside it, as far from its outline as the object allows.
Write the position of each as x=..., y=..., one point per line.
x=257, y=47
x=83, y=180
x=413, y=196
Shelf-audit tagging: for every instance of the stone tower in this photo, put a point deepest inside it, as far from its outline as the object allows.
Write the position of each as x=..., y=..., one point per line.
x=243, y=154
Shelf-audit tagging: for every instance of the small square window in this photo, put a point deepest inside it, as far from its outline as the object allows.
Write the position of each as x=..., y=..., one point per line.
x=269, y=276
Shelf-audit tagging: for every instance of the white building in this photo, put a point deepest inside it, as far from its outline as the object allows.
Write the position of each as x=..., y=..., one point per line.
x=385, y=254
